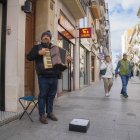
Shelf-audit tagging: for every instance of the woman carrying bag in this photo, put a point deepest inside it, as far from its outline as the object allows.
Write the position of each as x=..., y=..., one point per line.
x=107, y=72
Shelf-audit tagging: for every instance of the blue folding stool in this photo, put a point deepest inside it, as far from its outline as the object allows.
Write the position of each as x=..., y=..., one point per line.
x=30, y=99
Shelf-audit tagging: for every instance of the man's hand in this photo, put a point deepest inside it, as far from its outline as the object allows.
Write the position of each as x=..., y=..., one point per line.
x=42, y=51
x=68, y=58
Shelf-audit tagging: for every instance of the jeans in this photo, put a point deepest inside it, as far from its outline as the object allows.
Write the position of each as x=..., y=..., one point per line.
x=48, y=89
x=124, y=79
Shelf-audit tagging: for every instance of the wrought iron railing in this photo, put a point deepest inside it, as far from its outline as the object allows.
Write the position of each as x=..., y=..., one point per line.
x=83, y=3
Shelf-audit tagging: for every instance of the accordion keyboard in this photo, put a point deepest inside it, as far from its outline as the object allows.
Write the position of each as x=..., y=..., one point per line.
x=47, y=60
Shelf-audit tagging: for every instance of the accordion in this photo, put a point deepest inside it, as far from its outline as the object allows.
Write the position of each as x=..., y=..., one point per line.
x=55, y=58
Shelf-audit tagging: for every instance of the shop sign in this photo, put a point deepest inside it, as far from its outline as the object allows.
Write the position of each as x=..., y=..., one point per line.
x=85, y=32
x=64, y=32
x=63, y=21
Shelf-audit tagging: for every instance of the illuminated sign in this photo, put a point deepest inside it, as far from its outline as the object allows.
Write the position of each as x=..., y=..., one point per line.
x=85, y=33
x=64, y=22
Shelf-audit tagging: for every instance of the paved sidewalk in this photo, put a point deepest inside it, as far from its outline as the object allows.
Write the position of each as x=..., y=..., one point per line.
x=6, y=117
x=111, y=118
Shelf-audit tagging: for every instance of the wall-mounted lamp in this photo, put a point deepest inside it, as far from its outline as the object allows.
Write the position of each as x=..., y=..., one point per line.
x=27, y=7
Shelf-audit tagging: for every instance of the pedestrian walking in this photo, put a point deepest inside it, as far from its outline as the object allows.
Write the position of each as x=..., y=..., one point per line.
x=107, y=72
x=47, y=78
x=132, y=65
x=124, y=70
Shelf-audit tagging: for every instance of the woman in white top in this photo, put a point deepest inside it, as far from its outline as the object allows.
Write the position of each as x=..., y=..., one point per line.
x=108, y=76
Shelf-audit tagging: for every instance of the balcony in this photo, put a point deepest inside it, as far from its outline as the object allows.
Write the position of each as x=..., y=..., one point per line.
x=103, y=12
x=97, y=26
x=138, y=14
x=76, y=7
x=95, y=9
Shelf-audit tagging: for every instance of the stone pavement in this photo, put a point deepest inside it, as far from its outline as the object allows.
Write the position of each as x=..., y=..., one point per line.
x=6, y=117
x=111, y=118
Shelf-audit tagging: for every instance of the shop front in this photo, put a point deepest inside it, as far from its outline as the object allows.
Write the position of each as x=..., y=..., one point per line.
x=84, y=62
x=66, y=40
x=85, y=49
x=2, y=52
x=83, y=66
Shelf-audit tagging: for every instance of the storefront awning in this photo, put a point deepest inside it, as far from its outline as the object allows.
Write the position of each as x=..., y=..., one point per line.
x=85, y=43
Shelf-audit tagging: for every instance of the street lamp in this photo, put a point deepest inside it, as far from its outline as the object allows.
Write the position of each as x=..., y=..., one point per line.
x=27, y=7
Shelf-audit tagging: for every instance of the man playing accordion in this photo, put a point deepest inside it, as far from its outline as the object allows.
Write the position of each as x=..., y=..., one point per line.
x=48, y=72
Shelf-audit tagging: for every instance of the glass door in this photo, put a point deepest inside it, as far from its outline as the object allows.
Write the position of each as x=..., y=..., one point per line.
x=71, y=67
x=0, y=33
x=82, y=66
x=92, y=68
x=1, y=94
x=67, y=75
x=3, y=13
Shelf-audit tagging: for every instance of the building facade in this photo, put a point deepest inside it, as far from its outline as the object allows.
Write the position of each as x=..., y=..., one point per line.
x=138, y=14
x=21, y=25
x=125, y=40
x=134, y=43
x=67, y=36
x=20, y=29
x=100, y=42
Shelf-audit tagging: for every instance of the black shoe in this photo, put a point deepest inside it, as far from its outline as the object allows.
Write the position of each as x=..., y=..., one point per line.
x=125, y=96
x=52, y=117
x=43, y=119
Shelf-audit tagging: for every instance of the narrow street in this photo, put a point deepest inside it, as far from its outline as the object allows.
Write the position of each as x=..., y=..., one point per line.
x=111, y=118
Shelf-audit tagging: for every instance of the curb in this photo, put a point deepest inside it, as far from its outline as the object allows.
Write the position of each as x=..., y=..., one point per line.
x=7, y=117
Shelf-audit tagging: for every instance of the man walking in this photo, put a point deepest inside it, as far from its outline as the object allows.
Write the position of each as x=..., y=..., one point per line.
x=123, y=69
x=47, y=78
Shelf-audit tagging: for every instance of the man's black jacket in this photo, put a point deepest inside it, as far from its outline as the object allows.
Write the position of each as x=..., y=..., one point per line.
x=41, y=71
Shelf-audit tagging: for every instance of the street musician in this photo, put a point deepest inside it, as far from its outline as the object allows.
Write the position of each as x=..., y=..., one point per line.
x=50, y=61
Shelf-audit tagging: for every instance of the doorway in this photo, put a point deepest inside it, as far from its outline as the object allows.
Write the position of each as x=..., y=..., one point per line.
x=92, y=68
x=3, y=13
x=83, y=66
x=29, y=42
x=67, y=75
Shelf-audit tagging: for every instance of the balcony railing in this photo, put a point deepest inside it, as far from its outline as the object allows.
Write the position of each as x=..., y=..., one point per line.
x=138, y=14
x=102, y=9
x=83, y=4
x=95, y=9
x=76, y=7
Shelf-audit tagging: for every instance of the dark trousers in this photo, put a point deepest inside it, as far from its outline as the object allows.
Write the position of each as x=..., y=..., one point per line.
x=48, y=89
x=124, y=79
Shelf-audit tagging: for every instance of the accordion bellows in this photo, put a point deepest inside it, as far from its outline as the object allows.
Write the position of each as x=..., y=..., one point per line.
x=55, y=58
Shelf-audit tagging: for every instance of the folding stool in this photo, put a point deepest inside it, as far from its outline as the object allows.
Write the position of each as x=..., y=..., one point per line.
x=29, y=99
